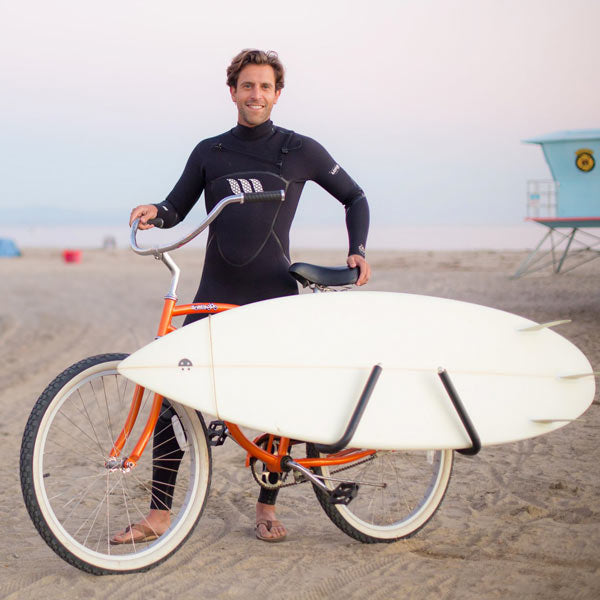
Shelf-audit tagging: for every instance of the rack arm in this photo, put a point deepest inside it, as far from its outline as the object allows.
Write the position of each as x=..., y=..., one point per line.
x=356, y=415
x=462, y=413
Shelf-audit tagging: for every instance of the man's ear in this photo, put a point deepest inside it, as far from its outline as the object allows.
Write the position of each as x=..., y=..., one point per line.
x=233, y=93
x=277, y=94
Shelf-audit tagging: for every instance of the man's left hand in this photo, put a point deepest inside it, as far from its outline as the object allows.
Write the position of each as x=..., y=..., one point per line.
x=356, y=260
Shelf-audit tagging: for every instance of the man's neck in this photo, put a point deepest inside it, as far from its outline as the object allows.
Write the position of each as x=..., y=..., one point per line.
x=253, y=133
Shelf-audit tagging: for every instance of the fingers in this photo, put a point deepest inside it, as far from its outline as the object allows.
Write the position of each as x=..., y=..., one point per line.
x=355, y=260
x=137, y=213
x=143, y=212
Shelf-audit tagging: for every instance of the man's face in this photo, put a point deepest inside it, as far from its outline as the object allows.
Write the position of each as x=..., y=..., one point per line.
x=255, y=94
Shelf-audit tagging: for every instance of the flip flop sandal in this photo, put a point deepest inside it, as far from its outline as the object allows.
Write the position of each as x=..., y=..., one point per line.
x=269, y=525
x=147, y=535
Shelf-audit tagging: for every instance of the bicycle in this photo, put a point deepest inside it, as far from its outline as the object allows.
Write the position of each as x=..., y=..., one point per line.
x=83, y=477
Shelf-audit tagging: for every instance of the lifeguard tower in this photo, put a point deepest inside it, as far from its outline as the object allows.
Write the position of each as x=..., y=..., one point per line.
x=568, y=204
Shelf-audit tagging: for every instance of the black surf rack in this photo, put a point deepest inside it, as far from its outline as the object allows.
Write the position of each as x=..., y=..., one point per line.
x=366, y=395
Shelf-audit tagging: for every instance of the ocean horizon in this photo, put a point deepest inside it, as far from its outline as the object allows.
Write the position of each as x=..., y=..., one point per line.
x=522, y=236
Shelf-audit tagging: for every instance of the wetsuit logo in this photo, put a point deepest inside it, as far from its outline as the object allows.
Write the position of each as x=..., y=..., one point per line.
x=244, y=185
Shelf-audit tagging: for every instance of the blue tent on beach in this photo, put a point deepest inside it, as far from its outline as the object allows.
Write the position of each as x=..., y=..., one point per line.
x=8, y=248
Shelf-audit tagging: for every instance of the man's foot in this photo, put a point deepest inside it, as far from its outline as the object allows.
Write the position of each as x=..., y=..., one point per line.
x=148, y=529
x=268, y=528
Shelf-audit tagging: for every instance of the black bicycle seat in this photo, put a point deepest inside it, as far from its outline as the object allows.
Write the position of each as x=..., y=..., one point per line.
x=306, y=274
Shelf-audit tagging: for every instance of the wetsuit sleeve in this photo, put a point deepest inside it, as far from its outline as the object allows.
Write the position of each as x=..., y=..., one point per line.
x=331, y=177
x=186, y=191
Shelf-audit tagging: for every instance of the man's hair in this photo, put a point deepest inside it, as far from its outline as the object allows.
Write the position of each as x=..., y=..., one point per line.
x=251, y=56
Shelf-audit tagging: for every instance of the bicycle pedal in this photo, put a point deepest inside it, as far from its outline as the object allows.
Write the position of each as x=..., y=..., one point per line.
x=217, y=433
x=344, y=493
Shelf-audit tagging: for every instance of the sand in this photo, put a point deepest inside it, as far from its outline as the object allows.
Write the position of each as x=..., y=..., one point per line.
x=519, y=520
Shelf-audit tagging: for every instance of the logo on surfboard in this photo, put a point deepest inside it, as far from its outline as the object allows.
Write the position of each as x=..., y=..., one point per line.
x=185, y=364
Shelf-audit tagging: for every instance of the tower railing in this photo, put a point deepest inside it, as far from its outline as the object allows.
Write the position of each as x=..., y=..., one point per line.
x=542, y=198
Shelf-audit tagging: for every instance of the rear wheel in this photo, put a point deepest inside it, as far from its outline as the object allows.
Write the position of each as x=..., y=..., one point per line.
x=76, y=503
x=399, y=492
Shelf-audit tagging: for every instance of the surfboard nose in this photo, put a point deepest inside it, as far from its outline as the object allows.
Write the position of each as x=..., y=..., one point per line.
x=177, y=368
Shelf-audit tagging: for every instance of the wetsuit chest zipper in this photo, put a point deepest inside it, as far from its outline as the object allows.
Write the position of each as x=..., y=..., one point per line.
x=221, y=148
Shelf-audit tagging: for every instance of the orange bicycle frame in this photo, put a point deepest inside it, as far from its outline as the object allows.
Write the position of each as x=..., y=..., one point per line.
x=165, y=326
x=272, y=460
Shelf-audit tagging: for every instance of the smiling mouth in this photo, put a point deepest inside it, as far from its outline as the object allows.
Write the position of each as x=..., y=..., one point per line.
x=255, y=106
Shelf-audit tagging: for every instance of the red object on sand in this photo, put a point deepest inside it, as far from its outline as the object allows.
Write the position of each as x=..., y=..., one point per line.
x=72, y=256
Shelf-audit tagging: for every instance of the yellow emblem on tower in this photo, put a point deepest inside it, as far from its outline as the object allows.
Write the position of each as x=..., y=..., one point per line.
x=585, y=159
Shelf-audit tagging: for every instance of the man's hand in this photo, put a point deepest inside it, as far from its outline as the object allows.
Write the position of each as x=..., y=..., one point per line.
x=143, y=212
x=356, y=260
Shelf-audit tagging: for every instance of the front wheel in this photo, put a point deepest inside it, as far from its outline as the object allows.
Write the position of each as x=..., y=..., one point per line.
x=75, y=501
x=399, y=492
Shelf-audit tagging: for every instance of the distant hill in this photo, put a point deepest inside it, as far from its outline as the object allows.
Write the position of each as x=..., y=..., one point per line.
x=49, y=215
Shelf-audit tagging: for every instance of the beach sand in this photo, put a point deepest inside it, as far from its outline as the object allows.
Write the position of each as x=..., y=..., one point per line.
x=519, y=521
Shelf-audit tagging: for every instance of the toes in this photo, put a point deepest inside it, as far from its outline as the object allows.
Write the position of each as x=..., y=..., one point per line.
x=264, y=532
x=122, y=535
x=276, y=531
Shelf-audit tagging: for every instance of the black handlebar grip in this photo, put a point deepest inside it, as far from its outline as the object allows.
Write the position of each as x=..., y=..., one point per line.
x=156, y=222
x=276, y=196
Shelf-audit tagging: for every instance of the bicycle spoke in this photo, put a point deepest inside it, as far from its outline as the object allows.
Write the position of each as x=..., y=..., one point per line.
x=95, y=510
x=153, y=496
x=106, y=497
x=88, y=416
x=70, y=449
x=84, y=433
x=107, y=422
x=81, y=493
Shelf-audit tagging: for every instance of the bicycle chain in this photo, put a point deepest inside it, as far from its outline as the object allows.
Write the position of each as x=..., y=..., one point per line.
x=285, y=485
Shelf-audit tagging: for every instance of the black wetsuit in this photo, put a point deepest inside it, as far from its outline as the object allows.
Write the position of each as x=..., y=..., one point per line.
x=247, y=253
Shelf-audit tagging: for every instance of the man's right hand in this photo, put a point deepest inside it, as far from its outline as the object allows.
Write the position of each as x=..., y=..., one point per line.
x=144, y=213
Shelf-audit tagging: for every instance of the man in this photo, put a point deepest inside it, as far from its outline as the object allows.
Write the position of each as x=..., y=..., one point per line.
x=247, y=252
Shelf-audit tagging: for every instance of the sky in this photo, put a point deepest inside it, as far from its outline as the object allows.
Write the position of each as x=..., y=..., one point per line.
x=424, y=102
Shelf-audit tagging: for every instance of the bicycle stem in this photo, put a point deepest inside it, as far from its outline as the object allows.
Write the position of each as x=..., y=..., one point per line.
x=175, y=272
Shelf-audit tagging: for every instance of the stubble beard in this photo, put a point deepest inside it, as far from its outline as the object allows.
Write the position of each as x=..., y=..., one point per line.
x=250, y=118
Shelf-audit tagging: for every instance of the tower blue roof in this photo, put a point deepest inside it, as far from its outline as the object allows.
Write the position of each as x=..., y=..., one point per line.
x=568, y=135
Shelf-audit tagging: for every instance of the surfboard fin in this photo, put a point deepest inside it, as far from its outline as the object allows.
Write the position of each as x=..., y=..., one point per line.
x=553, y=420
x=540, y=326
x=580, y=375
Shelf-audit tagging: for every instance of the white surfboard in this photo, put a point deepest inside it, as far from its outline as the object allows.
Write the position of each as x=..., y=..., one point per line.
x=296, y=367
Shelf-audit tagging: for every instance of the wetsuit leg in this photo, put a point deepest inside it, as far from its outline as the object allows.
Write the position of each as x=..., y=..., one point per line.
x=166, y=458
x=167, y=455
x=268, y=496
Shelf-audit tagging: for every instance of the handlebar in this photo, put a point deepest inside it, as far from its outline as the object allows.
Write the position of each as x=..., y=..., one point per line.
x=276, y=196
